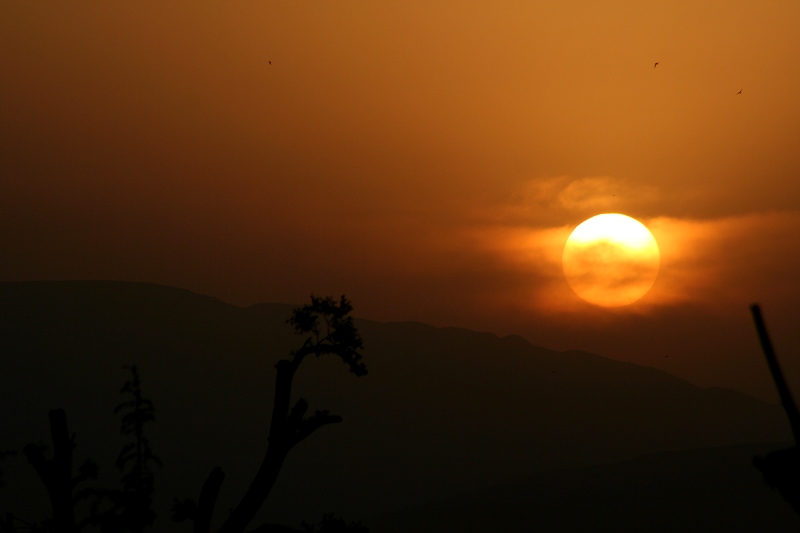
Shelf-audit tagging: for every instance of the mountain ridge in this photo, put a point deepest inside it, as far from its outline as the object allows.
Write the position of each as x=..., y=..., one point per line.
x=441, y=411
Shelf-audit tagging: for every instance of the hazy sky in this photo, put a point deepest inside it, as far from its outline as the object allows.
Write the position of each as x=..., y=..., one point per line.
x=428, y=159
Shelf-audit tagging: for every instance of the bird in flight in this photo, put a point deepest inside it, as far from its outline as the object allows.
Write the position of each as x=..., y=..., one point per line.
x=740, y=91
x=654, y=66
x=269, y=61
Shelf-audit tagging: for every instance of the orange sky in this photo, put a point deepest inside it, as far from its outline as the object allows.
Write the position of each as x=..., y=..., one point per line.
x=428, y=159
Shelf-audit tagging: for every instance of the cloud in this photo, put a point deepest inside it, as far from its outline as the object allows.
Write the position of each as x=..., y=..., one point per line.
x=600, y=194
x=712, y=263
x=567, y=200
x=728, y=260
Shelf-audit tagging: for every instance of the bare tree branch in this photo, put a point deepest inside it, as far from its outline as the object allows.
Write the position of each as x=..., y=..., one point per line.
x=783, y=390
x=207, y=501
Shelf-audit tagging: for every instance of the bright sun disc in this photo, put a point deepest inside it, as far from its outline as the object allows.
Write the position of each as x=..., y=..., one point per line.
x=611, y=260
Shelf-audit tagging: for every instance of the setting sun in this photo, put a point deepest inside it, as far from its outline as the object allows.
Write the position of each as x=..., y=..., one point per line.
x=611, y=260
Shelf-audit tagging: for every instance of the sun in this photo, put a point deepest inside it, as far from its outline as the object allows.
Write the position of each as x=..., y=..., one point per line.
x=611, y=260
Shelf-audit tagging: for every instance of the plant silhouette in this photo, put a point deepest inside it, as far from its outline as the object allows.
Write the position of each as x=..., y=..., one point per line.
x=330, y=330
x=56, y=474
x=128, y=509
x=781, y=468
x=131, y=507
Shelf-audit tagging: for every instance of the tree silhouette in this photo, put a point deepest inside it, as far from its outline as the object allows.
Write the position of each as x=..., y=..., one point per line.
x=330, y=330
x=781, y=468
x=131, y=507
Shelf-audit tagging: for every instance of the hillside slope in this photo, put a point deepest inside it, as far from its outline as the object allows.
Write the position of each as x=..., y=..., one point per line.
x=442, y=410
x=703, y=491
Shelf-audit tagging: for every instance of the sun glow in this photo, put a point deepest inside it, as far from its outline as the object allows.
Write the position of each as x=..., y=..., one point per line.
x=611, y=260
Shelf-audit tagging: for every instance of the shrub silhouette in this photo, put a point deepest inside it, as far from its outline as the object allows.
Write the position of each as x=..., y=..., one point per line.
x=114, y=510
x=330, y=330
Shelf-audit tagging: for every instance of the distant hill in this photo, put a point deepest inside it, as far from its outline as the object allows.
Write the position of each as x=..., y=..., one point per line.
x=702, y=491
x=442, y=410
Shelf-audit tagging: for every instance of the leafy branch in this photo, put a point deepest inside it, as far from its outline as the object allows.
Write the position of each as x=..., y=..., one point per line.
x=330, y=331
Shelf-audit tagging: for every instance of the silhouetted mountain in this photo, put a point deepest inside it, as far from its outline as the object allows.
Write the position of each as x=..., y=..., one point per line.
x=443, y=410
x=710, y=490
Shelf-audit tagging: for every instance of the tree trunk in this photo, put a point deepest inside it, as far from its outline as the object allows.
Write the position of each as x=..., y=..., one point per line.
x=56, y=473
x=277, y=449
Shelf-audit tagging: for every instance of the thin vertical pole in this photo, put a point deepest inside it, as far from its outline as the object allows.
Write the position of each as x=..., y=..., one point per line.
x=777, y=376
